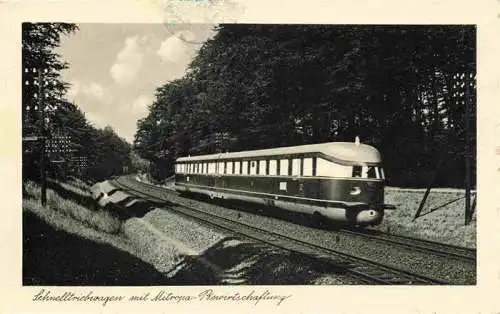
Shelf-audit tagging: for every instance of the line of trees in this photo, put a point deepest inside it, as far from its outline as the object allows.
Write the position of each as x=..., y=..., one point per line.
x=402, y=89
x=105, y=153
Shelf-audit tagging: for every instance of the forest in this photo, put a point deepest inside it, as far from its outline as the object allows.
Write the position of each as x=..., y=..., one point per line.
x=407, y=90
x=89, y=152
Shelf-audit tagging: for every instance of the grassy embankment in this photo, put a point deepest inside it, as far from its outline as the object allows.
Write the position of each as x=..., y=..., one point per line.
x=68, y=243
x=62, y=211
x=442, y=218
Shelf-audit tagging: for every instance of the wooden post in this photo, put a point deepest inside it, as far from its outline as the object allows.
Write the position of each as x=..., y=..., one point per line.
x=468, y=212
x=43, y=175
x=429, y=187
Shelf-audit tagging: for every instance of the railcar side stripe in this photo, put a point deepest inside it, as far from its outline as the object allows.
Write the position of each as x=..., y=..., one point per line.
x=274, y=195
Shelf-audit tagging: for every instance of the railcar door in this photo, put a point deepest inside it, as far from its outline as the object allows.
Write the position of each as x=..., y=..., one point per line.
x=219, y=173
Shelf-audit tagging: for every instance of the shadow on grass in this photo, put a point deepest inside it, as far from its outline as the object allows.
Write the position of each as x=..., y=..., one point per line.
x=132, y=207
x=54, y=257
x=250, y=264
x=120, y=210
x=83, y=200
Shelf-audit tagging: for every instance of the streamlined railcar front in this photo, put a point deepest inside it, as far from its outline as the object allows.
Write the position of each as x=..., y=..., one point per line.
x=354, y=177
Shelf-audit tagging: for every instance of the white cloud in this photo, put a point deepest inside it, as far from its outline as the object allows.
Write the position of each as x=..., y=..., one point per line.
x=128, y=61
x=140, y=105
x=178, y=52
x=73, y=90
x=91, y=90
x=175, y=48
x=94, y=90
x=96, y=119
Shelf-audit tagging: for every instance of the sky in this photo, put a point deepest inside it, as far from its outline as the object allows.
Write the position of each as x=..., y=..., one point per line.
x=114, y=69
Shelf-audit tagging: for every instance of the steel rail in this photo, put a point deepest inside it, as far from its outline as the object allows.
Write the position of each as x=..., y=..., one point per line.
x=368, y=270
x=427, y=246
x=422, y=245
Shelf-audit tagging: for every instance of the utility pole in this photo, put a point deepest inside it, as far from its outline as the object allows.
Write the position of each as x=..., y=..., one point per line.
x=468, y=81
x=43, y=174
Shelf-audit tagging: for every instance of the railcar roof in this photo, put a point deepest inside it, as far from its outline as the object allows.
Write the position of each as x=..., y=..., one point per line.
x=346, y=151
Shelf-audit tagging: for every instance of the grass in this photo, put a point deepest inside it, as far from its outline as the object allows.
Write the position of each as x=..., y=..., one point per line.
x=442, y=218
x=153, y=248
x=97, y=219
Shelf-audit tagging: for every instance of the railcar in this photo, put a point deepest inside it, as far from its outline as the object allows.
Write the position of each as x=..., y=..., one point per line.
x=341, y=181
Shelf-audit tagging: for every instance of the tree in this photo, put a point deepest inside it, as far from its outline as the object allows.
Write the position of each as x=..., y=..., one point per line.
x=38, y=43
x=259, y=86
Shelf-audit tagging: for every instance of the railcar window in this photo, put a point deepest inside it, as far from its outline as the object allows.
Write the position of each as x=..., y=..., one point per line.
x=211, y=168
x=244, y=167
x=326, y=168
x=220, y=167
x=229, y=167
x=356, y=171
x=369, y=172
x=237, y=167
x=262, y=167
x=253, y=167
x=273, y=167
x=283, y=167
x=308, y=167
x=296, y=167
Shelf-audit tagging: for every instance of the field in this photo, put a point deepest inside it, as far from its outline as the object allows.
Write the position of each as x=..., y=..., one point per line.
x=442, y=218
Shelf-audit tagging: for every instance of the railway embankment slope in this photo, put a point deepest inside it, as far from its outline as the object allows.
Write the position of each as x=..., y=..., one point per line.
x=70, y=242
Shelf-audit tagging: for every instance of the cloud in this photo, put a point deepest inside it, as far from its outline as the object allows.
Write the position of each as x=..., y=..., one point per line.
x=140, y=105
x=94, y=90
x=175, y=47
x=91, y=90
x=96, y=119
x=73, y=90
x=128, y=61
x=178, y=52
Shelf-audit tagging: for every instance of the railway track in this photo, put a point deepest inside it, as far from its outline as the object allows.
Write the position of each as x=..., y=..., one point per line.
x=426, y=246
x=367, y=271
x=421, y=245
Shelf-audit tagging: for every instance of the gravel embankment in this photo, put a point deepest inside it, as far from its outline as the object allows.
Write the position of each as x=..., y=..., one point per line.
x=190, y=253
x=450, y=270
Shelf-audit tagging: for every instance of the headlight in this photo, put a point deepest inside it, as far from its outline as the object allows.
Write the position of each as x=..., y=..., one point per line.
x=355, y=190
